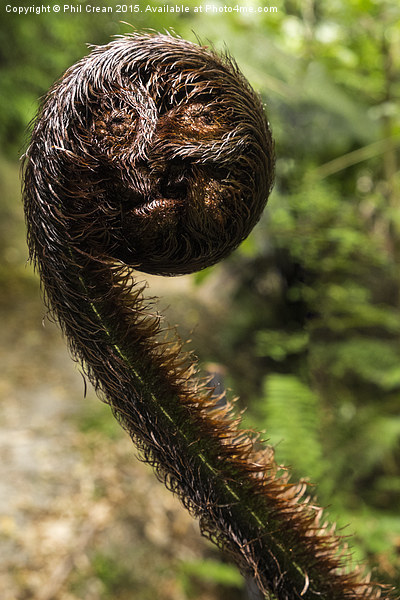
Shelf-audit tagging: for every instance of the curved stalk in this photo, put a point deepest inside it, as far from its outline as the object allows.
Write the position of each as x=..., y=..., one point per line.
x=154, y=154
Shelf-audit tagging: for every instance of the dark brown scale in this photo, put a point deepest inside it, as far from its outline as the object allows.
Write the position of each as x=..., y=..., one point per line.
x=154, y=154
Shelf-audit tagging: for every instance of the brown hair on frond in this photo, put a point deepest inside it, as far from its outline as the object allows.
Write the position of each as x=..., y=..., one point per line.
x=154, y=154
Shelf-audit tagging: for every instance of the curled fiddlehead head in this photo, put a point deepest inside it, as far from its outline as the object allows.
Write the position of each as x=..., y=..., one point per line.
x=154, y=154
x=167, y=152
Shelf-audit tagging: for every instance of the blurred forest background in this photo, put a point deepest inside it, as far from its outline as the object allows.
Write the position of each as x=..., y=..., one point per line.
x=303, y=320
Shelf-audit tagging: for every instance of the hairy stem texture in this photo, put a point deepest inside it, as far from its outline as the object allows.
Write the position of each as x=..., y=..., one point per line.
x=154, y=154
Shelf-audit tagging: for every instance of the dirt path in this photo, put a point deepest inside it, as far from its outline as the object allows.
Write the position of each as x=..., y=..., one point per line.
x=80, y=517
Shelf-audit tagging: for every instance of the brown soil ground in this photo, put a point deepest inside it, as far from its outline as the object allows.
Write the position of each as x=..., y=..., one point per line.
x=80, y=516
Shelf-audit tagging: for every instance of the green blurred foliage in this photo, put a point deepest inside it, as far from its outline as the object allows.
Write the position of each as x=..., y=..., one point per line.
x=311, y=337
x=195, y=575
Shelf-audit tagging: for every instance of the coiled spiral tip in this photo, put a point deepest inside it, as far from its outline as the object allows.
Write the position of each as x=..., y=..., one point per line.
x=164, y=149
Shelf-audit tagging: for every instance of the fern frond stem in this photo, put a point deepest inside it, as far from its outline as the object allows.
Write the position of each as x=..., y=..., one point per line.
x=154, y=154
